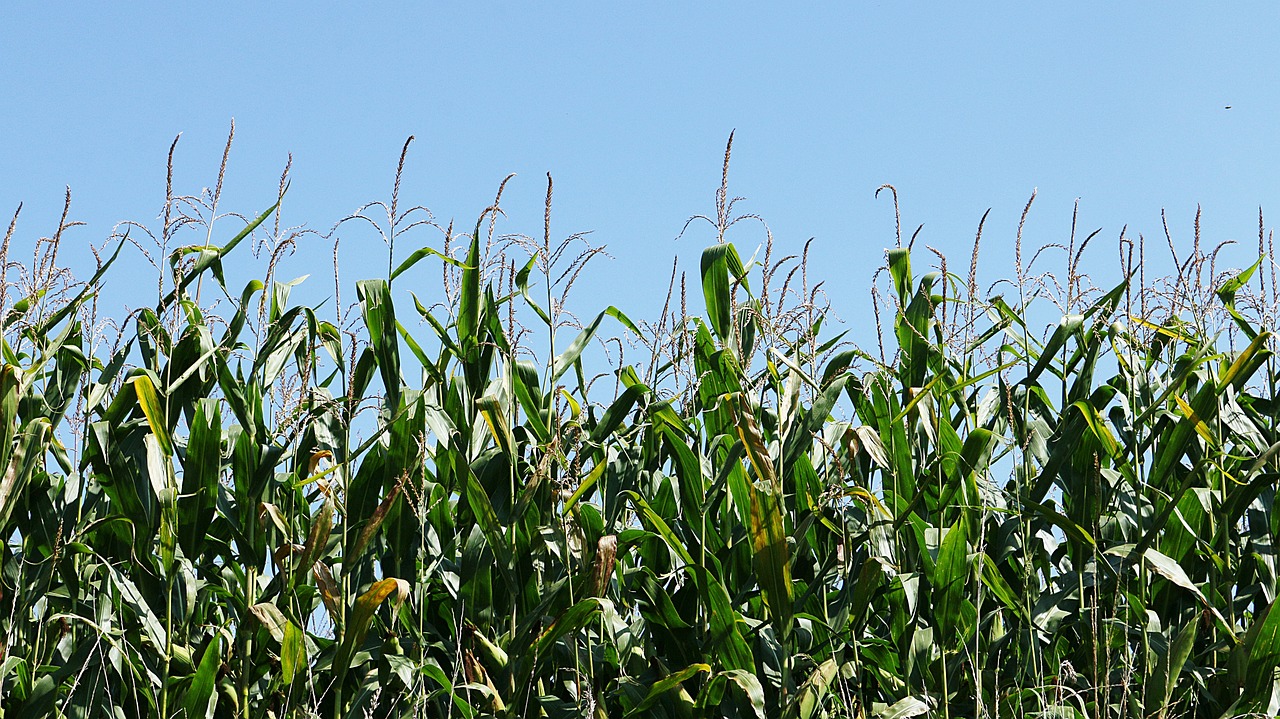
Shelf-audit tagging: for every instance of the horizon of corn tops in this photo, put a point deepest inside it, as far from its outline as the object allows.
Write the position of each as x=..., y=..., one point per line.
x=228, y=505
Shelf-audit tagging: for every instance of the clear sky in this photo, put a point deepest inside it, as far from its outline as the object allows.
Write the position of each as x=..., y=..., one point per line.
x=963, y=106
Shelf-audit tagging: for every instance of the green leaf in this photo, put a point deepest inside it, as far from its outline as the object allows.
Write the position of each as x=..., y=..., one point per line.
x=1227, y=293
x=469, y=299
x=750, y=687
x=133, y=598
x=566, y=359
x=418, y=255
x=524, y=375
x=522, y=282
x=994, y=581
x=23, y=463
x=293, y=653
x=89, y=288
x=1067, y=327
x=659, y=526
x=715, y=288
x=588, y=483
x=199, y=701
x=726, y=637
x=666, y=684
x=530, y=651
x=950, y=577
x=1171, y=570
x=573, y=620
x=1070, y=528
x=212, y=257
x=1204, y=406
x=380, y=320
x=1169, y=668
x=201, y=469
x=1097, y=427
x=1263, y=644
x=480, y=505
x=615, y=415
x=900, y=271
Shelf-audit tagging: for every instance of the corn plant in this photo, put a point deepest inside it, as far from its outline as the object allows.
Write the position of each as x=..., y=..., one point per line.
x=475, y=508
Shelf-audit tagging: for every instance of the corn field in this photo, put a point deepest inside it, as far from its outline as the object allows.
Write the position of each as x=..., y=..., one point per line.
x=225, y=504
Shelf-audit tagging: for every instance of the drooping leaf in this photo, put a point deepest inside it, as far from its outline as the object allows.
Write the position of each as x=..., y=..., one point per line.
x=666, y=684
x=361, y=617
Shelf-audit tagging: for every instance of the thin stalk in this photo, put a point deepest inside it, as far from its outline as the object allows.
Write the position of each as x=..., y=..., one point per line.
x=246, y=648
x=1025, y=457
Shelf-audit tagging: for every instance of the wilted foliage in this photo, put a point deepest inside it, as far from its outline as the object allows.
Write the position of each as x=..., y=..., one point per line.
x=269, y=509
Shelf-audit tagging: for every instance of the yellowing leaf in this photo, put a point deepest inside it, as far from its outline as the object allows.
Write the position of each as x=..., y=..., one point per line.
x=362, y=617
x=1202, y=429
x=149, y=401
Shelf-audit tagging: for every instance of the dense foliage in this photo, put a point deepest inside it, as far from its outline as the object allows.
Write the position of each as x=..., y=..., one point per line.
x=282, y=510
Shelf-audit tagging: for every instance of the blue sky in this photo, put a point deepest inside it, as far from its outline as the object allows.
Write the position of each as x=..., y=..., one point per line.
x=963, y=107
